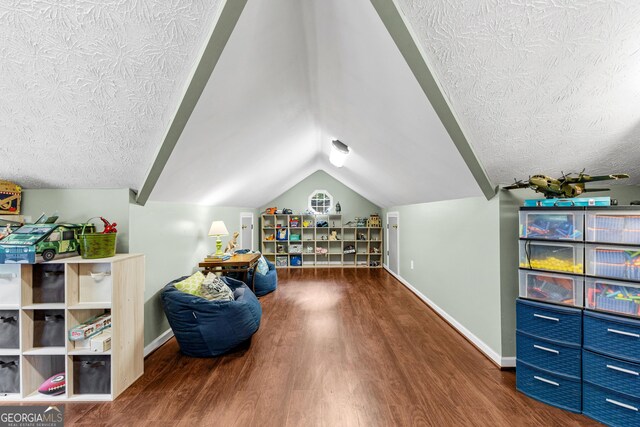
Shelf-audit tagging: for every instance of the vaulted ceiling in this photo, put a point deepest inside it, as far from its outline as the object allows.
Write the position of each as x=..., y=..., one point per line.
x=89, y=90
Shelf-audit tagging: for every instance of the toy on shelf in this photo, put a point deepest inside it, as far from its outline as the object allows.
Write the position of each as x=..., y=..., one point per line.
x=322, y=224
x=294, y=222
x=338, y=208
x=361, y=222
x=567, y=186
x=334, y=236
x=374, y=221
x=349, y=249
x=43, y=240
x=54, y=385
x=286, y=211
x=306, y=223
x=270, y=237
x=90, y=327
x=283, y=234
x=271, y=211
x=321, y=250
x=10, y=196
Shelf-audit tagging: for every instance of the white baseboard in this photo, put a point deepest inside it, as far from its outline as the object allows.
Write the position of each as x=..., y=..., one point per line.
x=503, y=362
x=157, y=343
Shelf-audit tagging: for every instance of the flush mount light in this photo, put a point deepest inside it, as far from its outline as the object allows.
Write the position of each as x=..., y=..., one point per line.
x=339, y=152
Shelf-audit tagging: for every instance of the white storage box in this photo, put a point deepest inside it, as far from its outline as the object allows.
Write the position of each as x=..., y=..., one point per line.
x=101, y=342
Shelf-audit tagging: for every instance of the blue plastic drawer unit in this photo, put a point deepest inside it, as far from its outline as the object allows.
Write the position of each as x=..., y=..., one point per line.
x=561, y=324
x=558, y=358
x=556, y=390
x=609, y=407
x=614, y=374
x=612, y=335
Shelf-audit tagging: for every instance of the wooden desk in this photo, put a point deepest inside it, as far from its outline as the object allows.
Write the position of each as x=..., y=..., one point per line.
x=239, y=263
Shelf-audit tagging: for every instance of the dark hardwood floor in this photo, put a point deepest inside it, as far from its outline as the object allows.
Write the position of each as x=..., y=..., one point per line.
x=335, y=348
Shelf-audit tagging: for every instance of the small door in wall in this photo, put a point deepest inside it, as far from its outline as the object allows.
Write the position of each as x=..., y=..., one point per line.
x=246, y=231
x=393, y=222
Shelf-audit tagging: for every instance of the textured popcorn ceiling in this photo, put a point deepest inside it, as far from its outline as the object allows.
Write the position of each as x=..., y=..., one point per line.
x=538, y=86
x=88, y=88
x=293, y=76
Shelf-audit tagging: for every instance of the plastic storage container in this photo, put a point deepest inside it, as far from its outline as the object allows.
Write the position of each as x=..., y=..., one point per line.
x=611, y=408
x=558, y=358
x=613, y=227
x=612, y=335
x=560, y=324
x=550, y=287
x=618, y=262
x=614, y=374
x=552, y=225
x=556, y=390
x=567, y=258
x=612, y=296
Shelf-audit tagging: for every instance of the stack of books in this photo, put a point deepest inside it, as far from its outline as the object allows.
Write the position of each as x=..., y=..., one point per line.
x=213, y=258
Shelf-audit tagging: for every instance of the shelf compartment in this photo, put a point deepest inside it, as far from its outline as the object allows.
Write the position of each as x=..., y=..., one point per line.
x=10, y=279
x=362, y=260
x=295, y=260
x=612, y=296
x=47, y=284
x=9, y=374
x=309, y=234
x=349, y=260
x=268, y=221
x=43, y=328
x=362, y=234
x=375, y=234
x=553, y=288
x=38, y=368
x=77, y=317
x=567, y=258
x=618, y=227
x=335, y=259
x=613, y=261
x=10, y=329
x=561, y=225
x=91, y=374
x=282, y=261
x=308, y=259
x=94, y=284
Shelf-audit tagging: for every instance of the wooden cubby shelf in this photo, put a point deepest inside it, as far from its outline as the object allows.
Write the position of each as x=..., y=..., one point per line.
x=45, y=301
x=308, y=250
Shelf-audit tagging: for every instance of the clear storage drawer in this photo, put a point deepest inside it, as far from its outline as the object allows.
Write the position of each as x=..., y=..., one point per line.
x=562, y=225
x=549, y=287
x=613, y=296
x=618, y=262
x=618, y=227
x=566, y=258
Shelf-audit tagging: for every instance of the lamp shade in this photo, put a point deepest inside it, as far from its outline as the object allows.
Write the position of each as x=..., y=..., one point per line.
x=338, y=154
x=218, y=229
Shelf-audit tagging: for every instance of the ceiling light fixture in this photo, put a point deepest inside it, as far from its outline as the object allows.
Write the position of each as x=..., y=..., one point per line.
x=339, y=152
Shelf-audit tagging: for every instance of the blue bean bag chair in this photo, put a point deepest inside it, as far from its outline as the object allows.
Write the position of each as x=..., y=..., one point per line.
x=210, y=328
x=264, y=283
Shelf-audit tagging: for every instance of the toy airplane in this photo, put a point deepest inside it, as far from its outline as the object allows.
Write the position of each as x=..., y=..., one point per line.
x=567, y=186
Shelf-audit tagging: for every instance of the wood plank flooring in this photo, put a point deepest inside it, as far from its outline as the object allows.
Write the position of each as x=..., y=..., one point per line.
x=336, y=347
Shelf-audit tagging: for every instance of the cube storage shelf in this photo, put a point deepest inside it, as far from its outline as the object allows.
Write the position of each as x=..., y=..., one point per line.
x=296, y=241
x=41, y=302
x=603, y=339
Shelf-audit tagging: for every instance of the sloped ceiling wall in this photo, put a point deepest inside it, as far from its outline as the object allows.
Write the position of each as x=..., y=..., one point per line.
x=539, y=86
x=88, y=88
x=295, y=75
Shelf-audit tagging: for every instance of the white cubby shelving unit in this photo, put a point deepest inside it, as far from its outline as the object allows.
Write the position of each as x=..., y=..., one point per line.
x=313, y=248
x=40, y=303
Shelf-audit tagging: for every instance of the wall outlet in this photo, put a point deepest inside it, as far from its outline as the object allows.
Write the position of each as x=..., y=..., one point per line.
x=412, y=264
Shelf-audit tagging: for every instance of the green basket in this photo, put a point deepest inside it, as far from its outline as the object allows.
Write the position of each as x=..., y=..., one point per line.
x=97, y=245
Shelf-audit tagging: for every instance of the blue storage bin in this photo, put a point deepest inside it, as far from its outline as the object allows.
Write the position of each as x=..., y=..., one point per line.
x=560, y=324
x=609, y=407
x=552, y=389
x=614, y=374
x=612, y=335
x=548, y=355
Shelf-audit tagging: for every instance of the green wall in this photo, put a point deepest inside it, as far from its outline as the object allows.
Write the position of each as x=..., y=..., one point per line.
x=456, y=255
x=174, y=239
x=80, y=205
x=297, y=197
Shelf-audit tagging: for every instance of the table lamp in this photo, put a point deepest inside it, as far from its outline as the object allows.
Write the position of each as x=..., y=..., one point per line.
x=218, y=229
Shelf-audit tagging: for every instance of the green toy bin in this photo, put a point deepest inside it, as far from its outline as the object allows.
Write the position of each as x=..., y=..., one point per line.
x=97, y=245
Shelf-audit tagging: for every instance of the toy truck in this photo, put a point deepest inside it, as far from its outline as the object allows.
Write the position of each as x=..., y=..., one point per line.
x=41, y=240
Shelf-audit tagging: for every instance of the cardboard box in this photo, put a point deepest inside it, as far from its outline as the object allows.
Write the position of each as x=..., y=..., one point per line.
x=90, y=328
x=101, y=342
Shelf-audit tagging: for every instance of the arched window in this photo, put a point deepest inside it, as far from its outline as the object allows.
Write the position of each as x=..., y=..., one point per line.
x=320, y=201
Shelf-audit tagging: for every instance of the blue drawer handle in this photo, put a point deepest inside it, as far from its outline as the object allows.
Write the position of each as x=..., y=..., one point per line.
x=555, y=319
x=622, y=405
x=626, y=371
x=544, y=380
x=550, y=350
x=628, y=334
